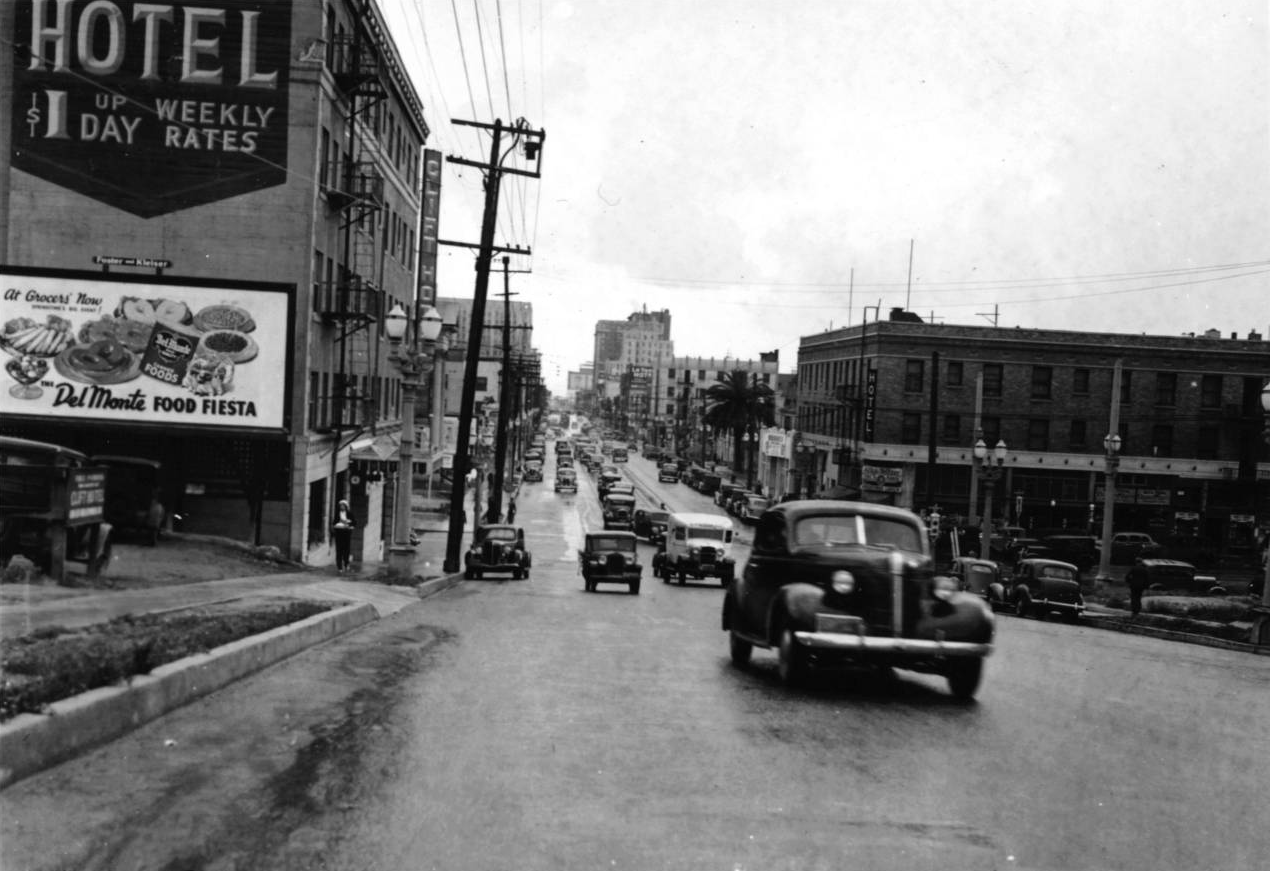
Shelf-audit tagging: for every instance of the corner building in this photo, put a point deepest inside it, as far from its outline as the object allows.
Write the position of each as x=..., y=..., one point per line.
x=262, y=162
x=891, y=408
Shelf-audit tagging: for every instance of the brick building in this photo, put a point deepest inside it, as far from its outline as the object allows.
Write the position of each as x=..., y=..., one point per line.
x=264, y=158
x=894, y=407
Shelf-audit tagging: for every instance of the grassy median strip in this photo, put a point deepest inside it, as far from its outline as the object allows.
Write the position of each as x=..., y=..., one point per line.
x=54, y=663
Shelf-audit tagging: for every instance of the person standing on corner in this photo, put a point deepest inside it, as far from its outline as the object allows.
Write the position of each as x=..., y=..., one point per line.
x=342, y=529
x=511, y=510
x=1137, y=581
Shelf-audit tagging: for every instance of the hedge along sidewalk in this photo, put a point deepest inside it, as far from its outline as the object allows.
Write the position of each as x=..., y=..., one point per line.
x=29, y=743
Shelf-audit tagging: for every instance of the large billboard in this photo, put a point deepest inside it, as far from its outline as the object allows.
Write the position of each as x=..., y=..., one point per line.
x=95, y=347
x=152, y=107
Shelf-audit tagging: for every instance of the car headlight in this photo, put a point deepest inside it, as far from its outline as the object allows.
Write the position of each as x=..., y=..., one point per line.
x=944, y=587
x=843, y=582
x=694, y=551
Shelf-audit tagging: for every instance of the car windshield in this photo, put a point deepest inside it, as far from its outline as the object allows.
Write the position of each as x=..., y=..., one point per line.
x=758, y=502
x=711, y=532
x=1061, y=573
x=500, y=534
x=981, y=574
x=606, y=542
x=620, y=500
x=658, y=516
x=843, y=529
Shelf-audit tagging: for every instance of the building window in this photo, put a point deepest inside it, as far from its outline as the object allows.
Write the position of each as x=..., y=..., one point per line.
x=1078, y=435
x=670, y=391
x=1042, y=382
x=955, y=373
x=1038, y=434
x=1162, y=440
x=317, y=512
x=701, y=374
x=1166, y=388
x=482, y=383
x=1209, y=438
x=670, y=408
x=952, y=429
x=1080, y=382
x=670, y=373
x=1210, y=391
x=911, y=428
x=914, y=376
x=992, y=379
x=1126, y=386
x=991, y=427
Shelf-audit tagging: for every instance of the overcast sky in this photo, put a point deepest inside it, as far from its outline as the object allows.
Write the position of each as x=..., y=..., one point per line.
x=763, y=169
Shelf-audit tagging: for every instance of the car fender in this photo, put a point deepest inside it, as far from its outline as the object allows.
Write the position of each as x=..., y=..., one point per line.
x=796, y=603
x=966, y=618
x=996, y=592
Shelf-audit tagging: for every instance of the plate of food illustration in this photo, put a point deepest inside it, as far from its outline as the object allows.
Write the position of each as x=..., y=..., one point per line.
x=133, y=335
x=103, y=362
x=223, y=317
x=170, y=312
x=28, y=337
x=237, y=346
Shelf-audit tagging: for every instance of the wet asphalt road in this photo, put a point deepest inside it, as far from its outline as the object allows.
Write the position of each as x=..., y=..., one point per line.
x=531, y=725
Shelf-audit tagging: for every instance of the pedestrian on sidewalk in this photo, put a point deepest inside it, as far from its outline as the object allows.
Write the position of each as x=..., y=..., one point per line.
x=511, y=510
x=1137, y=581
x=342, y=531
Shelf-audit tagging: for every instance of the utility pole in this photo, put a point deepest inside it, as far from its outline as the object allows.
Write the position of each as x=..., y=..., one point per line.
x=532, y=142
x=504, y=396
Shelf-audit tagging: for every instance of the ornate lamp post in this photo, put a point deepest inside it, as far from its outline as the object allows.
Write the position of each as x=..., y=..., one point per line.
x=749, y=442
x=932, y=527
x=413, y=362
x=990, y=467
x=1111, y=445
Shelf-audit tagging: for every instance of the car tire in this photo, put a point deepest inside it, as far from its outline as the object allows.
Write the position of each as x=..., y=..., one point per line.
x=964, y=678
x=517, y=574
x=468, y=574
x=683, y=575
x=792, y=664
x=634, y=588
x=739, y=649
x=1021, y=607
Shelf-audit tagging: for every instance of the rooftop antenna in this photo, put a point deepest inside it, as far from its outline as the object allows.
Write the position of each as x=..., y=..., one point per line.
x=850, y=294
x=993, y=316
x=909, y=295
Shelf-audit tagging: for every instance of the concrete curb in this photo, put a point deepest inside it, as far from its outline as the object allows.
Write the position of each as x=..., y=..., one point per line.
x=432, y=586
x=1118, y=624
x=32, y=742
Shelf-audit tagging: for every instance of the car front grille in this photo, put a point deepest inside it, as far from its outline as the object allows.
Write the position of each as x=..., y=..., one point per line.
x=708, y=556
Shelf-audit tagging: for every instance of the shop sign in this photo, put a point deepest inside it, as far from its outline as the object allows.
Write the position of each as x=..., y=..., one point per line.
x=152, y=107
x=883, y=479
x=430, y=225
x=88, y=346
x=870, y=403
x=86, y=496
x=775, y=443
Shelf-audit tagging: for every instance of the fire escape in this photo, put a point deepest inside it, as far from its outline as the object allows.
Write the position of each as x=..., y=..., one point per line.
x=354, y=190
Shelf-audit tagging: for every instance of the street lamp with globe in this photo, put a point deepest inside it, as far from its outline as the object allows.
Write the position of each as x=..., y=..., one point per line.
x=413, y=362
x=1111, y=445
x=1261, y=611
x=990, y=466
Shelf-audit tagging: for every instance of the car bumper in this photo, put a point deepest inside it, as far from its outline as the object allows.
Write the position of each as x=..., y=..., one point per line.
x=837, y=634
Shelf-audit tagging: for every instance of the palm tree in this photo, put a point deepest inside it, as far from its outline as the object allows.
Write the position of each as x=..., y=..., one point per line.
x=738, y=402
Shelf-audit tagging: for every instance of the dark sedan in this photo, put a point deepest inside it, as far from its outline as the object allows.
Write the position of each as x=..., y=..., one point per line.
x=833, y=583
x=1045, y=586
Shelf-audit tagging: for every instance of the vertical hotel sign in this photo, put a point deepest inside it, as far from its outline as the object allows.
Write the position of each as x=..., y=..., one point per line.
x=870, y=403
x=431, y=226
x=152, y=107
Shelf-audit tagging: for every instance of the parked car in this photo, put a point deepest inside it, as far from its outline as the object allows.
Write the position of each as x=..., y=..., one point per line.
x=564, y=461
x=749, y=509
x=497, y=547
x=619, y=511
x=534, y=454
x=566, y=479
x=651, y=525
x=1171, y=574
x=981, y=577
x=134, y=495
x=831, y=583
x=724, y=493
x=1079, y=550
x=50, y=492
x=1129, y=546
x=610, y=558
x=667, y=473
x=1044, y=586
x=697, y=545
x=533, y=471
x=607, y=479
x=708, y=483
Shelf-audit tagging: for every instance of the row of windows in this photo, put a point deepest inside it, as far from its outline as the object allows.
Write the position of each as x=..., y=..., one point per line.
x=702, y=374
x=1039, y=435
x=1210, y=386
